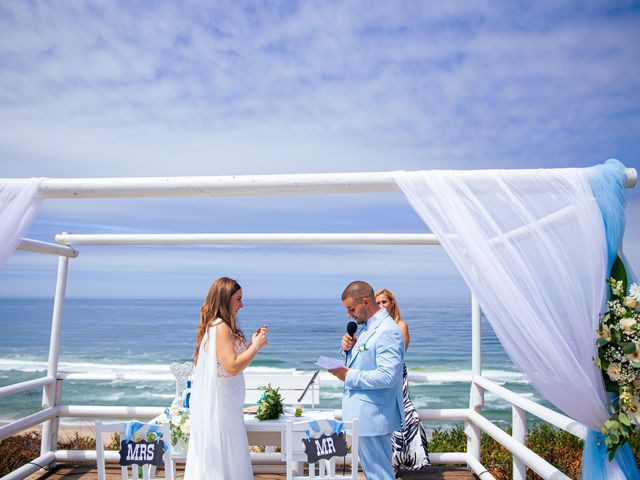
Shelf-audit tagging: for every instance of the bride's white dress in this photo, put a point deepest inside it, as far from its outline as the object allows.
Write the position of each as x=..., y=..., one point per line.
x=218, y=446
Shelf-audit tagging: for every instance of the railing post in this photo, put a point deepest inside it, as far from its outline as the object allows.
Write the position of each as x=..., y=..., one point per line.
x=50, y=392
x=519, y=425
x=476, y=393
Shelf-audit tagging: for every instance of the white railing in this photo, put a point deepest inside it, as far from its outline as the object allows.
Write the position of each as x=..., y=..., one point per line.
x=17, y=388
x=515, y=443
x=523, y=457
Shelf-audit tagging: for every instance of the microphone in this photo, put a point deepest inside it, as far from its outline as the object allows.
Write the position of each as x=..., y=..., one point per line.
x=351, y=329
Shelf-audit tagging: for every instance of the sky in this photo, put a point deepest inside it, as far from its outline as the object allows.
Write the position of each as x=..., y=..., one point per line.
x=121, y=89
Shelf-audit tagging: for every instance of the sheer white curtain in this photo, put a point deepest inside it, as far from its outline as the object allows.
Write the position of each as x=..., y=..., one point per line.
x=532, y=248
x=19, y=204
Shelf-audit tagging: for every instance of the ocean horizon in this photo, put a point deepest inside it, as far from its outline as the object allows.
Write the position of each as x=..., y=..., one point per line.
x=144, y=336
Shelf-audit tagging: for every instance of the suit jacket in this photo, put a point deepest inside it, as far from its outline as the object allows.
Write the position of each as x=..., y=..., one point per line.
x=373, y=385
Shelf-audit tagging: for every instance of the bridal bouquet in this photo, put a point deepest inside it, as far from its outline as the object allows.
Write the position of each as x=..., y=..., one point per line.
x=619, y=358
x=270, y=404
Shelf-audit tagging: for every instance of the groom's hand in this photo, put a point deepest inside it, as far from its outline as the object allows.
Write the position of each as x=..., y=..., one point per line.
x=341, y=372
x=348, y=342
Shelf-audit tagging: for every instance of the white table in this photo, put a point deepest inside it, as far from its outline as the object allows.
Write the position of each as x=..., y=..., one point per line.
x=270, y=432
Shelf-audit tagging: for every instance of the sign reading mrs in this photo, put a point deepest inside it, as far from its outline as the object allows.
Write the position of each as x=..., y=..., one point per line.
x=325, y=447
x=141, y=453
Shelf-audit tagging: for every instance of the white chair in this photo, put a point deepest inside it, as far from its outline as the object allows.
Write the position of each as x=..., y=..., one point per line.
x=294, y=451
x=148, y=471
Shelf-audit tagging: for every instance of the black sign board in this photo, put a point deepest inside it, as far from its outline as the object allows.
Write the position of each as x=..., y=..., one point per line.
x=325, y=447
x=141, y=453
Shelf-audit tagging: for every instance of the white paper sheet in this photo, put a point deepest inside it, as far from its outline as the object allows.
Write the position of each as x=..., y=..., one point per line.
x=329, y=363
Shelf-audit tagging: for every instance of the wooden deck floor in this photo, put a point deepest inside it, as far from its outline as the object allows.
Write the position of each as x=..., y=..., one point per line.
x=89, y=472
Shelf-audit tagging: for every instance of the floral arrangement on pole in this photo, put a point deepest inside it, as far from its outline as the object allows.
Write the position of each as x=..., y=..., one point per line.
x=270, y=404
x=619, y=358
x=179, y=424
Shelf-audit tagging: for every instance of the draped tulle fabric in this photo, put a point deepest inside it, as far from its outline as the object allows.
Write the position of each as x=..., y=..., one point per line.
x=19, y=204
x=218, y=446
x=532, y=247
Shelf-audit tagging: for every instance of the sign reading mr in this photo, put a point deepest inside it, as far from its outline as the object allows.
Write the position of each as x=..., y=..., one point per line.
x=325, y=447
x=141, y=453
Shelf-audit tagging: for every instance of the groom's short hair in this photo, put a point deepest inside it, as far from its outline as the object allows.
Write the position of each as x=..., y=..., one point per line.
x=358, y=290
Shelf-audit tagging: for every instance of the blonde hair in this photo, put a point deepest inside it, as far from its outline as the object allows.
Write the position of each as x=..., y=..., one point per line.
x=216, y=305
x=394, y=310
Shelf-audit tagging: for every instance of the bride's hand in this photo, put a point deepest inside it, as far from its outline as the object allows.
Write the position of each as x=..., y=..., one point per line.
x=259, y=339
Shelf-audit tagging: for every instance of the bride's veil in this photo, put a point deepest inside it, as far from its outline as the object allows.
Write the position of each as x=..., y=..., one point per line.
x=202, y=462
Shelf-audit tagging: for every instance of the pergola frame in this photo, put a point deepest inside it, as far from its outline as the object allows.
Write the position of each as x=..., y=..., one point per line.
x=307, y=184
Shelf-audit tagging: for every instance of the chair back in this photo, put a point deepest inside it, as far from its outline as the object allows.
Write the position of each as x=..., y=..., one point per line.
x=148, y=472
x=295, y=455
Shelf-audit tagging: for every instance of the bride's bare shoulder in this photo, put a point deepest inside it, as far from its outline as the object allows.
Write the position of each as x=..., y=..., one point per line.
x=221, y=327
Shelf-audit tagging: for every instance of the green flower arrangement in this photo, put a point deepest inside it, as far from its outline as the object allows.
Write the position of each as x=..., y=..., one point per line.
x=619, y=358
x=270, y=404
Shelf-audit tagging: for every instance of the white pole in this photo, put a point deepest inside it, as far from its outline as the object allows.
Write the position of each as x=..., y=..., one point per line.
x=476, y=340
x=312, y=184
x=49, y=391
x=29, y=245
x=519, y=423
x=476, y=393
x=249, y=239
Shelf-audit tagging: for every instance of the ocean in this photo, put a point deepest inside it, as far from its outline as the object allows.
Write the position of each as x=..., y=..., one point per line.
x=144, y=336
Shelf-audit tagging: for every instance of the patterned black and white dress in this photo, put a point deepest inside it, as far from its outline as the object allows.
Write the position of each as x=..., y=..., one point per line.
x=410, y=451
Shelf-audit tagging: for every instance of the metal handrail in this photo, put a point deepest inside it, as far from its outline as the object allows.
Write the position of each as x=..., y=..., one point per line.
x=16, y=388
x=554, y=418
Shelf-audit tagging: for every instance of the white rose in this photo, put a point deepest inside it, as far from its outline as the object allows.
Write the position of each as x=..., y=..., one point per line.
x=613, y=371
x=186, y=428
x=175, y=421
x=635, y=356
x=174, y=411
x=605, y=332
x=626, y=324
x=630, y=302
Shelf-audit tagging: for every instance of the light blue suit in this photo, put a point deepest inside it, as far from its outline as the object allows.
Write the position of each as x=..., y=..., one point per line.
x=373, y=392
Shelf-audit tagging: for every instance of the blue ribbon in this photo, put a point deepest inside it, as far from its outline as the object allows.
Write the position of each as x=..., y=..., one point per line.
x=335, y=425
x=133, y=427
x=608, y=188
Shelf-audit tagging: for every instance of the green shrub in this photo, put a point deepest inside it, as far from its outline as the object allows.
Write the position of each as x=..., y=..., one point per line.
x=17, y=450
x=558, y=447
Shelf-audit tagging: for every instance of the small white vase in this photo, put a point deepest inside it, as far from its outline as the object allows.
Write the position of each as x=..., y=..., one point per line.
x=180, y=448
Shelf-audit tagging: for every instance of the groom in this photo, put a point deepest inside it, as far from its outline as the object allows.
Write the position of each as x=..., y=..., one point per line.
x=372, y=379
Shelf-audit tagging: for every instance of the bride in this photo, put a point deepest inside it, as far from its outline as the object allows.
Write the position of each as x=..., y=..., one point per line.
x=218, y=447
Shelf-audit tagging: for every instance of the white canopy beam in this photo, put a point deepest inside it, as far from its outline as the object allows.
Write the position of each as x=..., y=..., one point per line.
x=250, y=239
x=307, y=184
x=29, y=245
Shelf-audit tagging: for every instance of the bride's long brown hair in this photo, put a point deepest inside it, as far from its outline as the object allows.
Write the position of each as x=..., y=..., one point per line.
x=216, y=305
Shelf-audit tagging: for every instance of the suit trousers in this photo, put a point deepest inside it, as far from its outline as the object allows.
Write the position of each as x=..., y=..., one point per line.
x=375, y=457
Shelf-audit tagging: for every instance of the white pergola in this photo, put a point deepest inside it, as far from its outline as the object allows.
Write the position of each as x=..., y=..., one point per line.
x=303, y=184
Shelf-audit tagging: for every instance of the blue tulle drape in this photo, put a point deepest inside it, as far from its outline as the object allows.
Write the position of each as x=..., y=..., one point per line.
x=608, y=186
